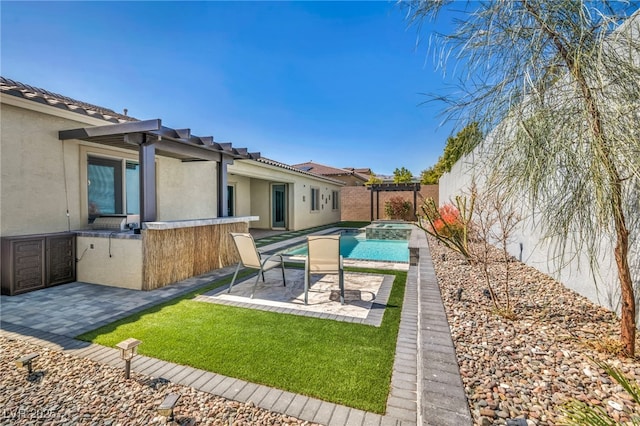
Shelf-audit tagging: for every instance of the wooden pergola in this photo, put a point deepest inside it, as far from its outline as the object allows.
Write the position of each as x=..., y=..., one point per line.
x=149, y=137
x=397, y=187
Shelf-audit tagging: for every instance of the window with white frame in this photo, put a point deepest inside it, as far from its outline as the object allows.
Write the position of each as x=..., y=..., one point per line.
x=113, y=186
x=335, y=195
x=315, y=199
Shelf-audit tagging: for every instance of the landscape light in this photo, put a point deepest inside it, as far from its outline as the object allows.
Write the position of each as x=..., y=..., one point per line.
x=26, y=361
x=128, y=349
x=167, y=405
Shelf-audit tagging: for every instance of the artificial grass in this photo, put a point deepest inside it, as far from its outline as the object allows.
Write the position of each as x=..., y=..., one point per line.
x=344, y=363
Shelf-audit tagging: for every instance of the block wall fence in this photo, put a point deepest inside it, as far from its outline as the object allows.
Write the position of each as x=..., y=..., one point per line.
x=355, y=201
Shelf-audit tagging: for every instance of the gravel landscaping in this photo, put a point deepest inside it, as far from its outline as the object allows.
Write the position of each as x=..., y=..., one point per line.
x=530, y=366
x=66, y=390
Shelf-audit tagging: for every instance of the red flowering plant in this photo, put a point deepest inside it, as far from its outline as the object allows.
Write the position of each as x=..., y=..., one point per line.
x=399, y=208
x=449, y=223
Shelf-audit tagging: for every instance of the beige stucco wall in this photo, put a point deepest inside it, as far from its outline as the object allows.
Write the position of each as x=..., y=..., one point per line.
x=33, y=194
x=300, y=216
x=123, y=268
x=186, y=190
x=242, y=185
x=260, y=206
x=37, y=186
x=304, y=217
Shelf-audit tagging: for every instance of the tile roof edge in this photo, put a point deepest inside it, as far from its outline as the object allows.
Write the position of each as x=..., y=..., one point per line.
x=55, y=100
x=296, y=170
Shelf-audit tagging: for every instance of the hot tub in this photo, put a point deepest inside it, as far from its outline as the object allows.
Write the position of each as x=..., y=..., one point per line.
x=388, y=230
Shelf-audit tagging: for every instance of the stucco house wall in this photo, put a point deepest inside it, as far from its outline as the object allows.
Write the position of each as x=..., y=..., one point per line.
x=44, y=189
x=263, y=176
x=43, y=178
x=242, y=186
x=261, y=203
x=40, y=174
x=38, y=186
x=186, y=190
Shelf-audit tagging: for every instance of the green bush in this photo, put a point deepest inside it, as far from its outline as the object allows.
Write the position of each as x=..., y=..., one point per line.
x=398, y=208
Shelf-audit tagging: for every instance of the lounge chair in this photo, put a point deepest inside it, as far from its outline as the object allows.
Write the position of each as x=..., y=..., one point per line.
x=250, y=257
x=323, y=258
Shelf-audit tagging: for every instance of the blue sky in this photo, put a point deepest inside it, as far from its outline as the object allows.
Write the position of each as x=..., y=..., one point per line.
x=339, y=83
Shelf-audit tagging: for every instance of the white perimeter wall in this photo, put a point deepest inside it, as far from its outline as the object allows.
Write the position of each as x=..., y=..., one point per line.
x=575, y=273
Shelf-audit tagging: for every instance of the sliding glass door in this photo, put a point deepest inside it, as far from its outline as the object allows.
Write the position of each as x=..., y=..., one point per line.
x=279, y=206
x=113, y=186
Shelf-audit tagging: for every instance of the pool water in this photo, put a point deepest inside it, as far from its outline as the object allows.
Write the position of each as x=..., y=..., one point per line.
x=358, y=247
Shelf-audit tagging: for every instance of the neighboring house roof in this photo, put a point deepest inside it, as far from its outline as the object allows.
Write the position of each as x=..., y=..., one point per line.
x=363, y=171
x=15, y=88
x=297, y=170
x=321, y=169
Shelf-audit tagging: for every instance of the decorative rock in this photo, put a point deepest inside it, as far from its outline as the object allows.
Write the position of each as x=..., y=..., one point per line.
x=487, y=412
x=80, y=391
x=534, y=364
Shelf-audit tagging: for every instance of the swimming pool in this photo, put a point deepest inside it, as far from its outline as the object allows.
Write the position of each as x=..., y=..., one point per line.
x=359, y=247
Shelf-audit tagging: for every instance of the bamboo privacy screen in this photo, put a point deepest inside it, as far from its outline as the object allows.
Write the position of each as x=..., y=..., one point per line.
x=171, y=255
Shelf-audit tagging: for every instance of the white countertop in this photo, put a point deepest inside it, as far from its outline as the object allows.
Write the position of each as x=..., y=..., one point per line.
x=174, y=224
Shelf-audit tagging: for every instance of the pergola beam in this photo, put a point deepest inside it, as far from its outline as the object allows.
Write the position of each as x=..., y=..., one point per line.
x=150, y=138
x=111, y=129
x=187, y=150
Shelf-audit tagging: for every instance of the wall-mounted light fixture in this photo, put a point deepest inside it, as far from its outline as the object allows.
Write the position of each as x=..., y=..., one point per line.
x=128, y=349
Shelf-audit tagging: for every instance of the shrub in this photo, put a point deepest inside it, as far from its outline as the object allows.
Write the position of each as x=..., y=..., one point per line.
x=399, y=208
x=449, y=223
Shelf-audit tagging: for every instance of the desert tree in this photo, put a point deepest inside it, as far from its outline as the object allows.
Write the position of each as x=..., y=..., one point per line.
x=402, y=175
x=555, y=86
x=373, y=180
x=495, y=222
x=456, y=147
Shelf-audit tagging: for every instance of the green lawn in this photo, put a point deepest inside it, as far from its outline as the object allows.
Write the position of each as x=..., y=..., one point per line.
x=345, y=363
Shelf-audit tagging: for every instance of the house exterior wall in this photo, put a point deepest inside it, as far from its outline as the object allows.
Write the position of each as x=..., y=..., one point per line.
x=262, y=176
x=304, y=217
x=33, y=193
x=42, y=176
x=356, y=201
x=242, y=202
x=260, y=194
x=186, y=190
x=113, y=262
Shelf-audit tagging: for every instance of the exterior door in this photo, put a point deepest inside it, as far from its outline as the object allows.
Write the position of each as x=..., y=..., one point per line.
x=278, y=206
x=230, y=201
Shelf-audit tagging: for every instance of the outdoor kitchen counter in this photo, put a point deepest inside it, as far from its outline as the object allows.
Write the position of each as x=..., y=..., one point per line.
x=176, y=250
x=161, y=254
x=175, y=224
